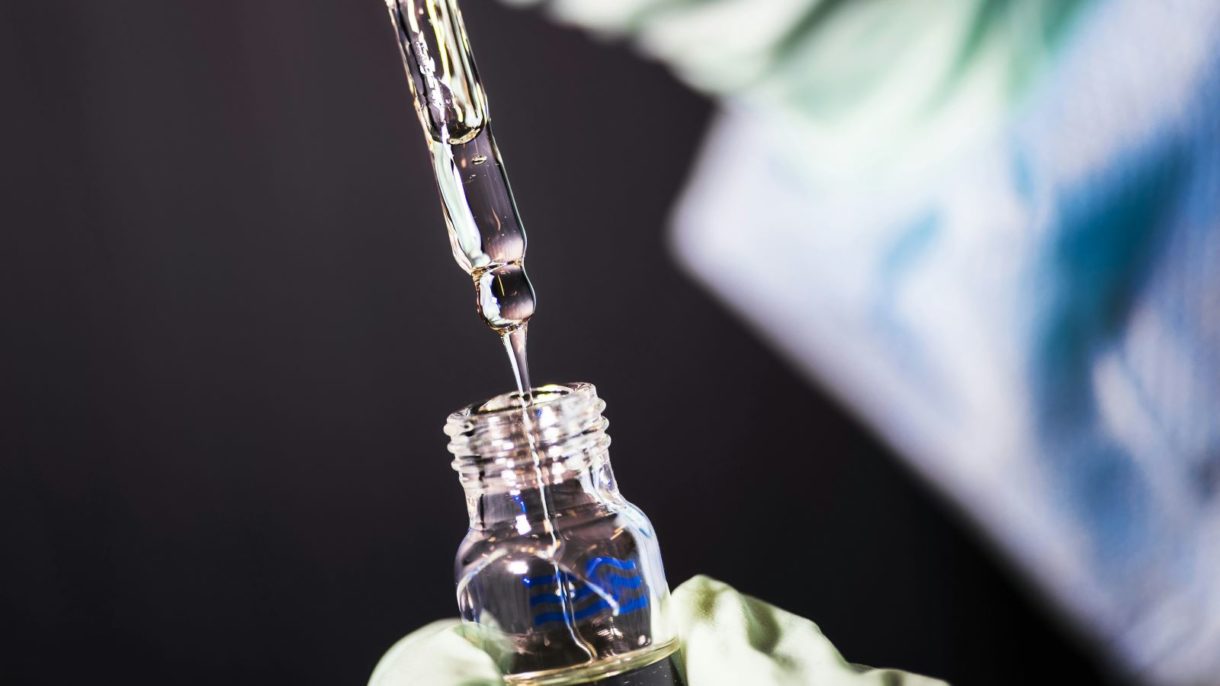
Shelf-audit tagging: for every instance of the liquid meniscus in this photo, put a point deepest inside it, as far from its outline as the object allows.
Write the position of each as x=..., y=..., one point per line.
x=663, y=672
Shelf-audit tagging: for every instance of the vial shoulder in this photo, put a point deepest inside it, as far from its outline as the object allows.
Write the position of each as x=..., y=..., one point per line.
x=573, y=537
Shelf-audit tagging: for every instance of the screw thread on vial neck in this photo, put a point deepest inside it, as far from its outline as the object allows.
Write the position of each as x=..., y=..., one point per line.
x=505, y=443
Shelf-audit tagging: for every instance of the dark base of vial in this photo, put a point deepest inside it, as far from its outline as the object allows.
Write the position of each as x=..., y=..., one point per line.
x=663, y=673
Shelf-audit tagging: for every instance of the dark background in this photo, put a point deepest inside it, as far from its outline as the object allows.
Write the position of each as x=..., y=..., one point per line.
x=232, y=330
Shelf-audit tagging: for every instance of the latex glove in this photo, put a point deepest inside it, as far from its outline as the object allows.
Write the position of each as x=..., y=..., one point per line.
x=854, y=89
x=727, y=639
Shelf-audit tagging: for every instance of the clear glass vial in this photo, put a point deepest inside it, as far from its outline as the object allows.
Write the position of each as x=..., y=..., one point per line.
x=560, y=574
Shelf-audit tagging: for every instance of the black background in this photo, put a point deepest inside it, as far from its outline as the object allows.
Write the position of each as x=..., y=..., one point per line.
x=232, y=330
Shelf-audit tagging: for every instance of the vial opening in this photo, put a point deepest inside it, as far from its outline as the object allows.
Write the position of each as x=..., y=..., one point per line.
x=515, y=401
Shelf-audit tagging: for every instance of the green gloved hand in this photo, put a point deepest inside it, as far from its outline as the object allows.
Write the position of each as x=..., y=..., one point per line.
x=728, y=639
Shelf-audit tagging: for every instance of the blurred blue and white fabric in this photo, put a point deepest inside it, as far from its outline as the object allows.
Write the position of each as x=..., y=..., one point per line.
x=993, y=229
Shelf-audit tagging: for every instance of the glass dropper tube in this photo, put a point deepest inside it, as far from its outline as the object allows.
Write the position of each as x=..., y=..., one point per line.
x=485, y=229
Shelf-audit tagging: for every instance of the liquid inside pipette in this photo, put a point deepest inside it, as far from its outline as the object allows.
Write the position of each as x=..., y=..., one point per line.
x=485, y=230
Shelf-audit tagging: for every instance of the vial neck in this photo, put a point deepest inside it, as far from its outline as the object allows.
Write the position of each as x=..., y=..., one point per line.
x=526, y=462
x=536, y=502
